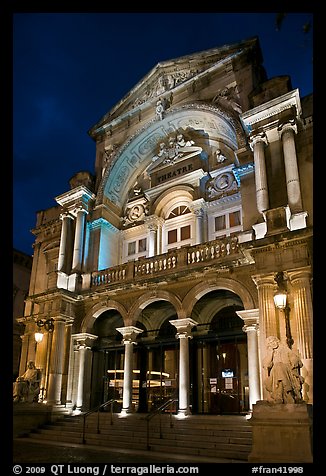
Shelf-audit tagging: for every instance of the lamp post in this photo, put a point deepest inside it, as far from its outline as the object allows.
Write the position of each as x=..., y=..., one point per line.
x=47, y=324
x=280, y=301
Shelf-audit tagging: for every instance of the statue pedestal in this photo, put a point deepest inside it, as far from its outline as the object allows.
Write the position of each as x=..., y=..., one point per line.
x=282, y=433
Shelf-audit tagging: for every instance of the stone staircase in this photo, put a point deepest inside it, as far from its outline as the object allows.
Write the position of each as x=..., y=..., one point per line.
x=215, y=436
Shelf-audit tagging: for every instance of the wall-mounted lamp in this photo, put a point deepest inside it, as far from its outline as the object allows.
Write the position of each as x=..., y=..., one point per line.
x=280, y=301
x=47, y=325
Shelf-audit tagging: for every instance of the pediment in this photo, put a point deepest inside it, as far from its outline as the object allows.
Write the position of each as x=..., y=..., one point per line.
x=167, y=76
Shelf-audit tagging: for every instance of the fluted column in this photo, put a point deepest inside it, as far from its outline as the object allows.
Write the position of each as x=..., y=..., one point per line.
x=79, y=240
x=23, y=353
x=56, y=362
x=251, y=327
x=288, y=131
x=41, y=360
x=303, y=316
x=129, y=334
x=184, y=327
x=257, y=144
x=268, y=318
x=66, y=218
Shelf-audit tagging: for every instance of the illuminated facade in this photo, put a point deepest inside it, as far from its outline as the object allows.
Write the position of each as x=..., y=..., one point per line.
x=158, y=270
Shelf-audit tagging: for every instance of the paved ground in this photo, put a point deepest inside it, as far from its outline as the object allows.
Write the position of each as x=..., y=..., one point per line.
x=38, y=452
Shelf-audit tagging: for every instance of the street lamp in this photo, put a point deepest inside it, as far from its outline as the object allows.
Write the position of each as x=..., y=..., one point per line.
x=280, y=301
x=47, y=325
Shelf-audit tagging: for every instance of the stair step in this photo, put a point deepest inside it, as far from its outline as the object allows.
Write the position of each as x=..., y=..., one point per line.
x=209, y=436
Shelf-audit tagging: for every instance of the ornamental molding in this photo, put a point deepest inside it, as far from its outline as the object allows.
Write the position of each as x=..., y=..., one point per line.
x=272, y=108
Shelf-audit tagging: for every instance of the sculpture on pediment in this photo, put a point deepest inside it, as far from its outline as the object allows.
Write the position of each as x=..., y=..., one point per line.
x=177, y=148
x=220, y=158
x=283, y=382
x=228, y=99
x=160, y=108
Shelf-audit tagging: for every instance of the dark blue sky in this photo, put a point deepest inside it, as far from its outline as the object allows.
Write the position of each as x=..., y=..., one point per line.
x=70, y=69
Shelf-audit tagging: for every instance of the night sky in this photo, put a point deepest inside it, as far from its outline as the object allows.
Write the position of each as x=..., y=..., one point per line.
x=70, y=69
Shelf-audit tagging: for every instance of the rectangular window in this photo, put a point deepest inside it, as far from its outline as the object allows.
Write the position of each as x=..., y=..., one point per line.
x=185, y=232
x=131, y=248
x=220, y=223
x=235, y=219
x=172, y=236
x=142, y=245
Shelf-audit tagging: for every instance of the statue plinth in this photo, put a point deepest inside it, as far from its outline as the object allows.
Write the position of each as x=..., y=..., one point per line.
x=282, y=433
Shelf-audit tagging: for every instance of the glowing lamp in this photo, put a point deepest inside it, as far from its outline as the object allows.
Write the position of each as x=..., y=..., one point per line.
x=47, y=325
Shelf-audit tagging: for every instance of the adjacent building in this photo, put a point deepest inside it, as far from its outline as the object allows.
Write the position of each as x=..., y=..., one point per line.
x=154, y=275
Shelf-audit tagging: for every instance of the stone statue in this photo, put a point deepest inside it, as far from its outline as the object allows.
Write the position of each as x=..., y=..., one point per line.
x=283, y=381
x=27, y=386
x=159, y=108
x=220, y=158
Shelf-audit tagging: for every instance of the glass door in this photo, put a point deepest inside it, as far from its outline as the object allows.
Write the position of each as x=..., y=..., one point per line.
x=222, y=376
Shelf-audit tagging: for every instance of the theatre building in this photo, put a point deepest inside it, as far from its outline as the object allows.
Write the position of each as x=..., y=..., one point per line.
x=154, y=275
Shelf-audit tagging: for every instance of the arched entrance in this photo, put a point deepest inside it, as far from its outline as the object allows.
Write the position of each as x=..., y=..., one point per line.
x=219, y=356
x=218, y=362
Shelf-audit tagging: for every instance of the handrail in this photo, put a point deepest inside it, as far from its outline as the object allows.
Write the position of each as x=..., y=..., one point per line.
x=97, y=409
x=158, y=411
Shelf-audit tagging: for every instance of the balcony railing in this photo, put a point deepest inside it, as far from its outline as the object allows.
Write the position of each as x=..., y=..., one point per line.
x=188, y=257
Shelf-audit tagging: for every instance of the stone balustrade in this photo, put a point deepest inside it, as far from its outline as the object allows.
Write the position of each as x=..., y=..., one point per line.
x=174, y=260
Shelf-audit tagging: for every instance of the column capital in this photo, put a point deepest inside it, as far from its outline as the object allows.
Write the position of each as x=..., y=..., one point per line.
x=255, y=138
x=183, y=326
x=250, y=318
x=129, y=334
x=84, y=340
x=264, y=280
x=65, y=214
x=299, y=274
x=289, y=125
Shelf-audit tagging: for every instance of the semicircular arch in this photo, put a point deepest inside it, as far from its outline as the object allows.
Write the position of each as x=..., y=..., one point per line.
x=229, y=284
x=95, y=311
x=148, y=298
x=136, y=155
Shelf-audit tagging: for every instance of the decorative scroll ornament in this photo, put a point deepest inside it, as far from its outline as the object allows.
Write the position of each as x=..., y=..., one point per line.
x=135, y=213
x=223, y=184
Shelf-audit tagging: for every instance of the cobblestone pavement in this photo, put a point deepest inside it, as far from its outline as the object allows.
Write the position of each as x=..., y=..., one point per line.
x=38, y=452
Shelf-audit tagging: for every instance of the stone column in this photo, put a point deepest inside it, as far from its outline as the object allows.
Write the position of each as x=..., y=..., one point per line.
x=288, y=131
x=257, y=145
x=268, y=317
x=65, y=217
x=41, y=360
x=83, y=346
x=23, y=354
x=79, y=240
x=152, y=245
x=56, y=362
x=129, y=334
x=251, y=328
x=183, y=327
x=199, y=226
x=303, y=315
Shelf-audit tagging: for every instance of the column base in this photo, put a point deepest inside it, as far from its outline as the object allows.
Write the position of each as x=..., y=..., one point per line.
x=183, y=413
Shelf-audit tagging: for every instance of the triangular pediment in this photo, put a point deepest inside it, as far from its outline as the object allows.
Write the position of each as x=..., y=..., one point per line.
x=168, y=75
